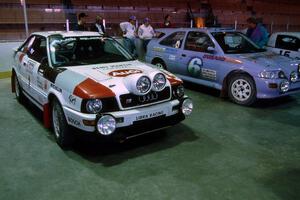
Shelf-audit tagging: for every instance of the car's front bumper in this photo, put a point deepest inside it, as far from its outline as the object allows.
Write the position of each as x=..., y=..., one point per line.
x=133, y=121
x=265, y=91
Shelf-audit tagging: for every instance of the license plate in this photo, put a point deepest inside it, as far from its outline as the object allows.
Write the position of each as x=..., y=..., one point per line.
x=149, y=115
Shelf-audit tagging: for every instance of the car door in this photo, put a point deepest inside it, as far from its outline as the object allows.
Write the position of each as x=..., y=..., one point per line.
x=37, y=56
x=170, y=49
x=35, y=53
x=287, y=45
x=23, y=69
x=196, y=60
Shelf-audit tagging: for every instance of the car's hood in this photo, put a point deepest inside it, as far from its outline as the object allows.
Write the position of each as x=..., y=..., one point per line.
x=105, y=80
x=266, y=59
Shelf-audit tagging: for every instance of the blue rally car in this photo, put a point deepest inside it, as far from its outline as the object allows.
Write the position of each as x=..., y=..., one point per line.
x=226, y=60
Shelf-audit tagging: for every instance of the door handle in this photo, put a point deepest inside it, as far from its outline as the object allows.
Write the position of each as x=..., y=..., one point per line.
x=183, y=55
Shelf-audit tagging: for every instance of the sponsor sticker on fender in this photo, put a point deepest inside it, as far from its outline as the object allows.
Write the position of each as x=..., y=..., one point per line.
x=124, y=72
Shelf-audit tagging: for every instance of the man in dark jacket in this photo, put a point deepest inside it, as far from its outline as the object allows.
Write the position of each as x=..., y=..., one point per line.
x=98, y=26
x=81, y=22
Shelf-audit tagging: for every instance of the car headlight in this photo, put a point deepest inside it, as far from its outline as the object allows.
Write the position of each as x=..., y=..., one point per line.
x=143, y=84
x=180, y=91
x=106, y=125
x=94, y=106
x=187, y=107
x=272, y=74
x=294, y=76
x=159, y=82
x=284, y=86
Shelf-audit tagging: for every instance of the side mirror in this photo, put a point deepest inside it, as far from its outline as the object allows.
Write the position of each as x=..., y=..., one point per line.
x=44, y=61
x=211, y=49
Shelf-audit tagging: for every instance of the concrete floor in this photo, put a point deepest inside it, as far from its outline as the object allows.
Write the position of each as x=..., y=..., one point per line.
x=224, y=151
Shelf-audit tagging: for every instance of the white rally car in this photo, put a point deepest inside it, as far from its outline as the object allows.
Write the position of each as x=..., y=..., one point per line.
x=90, y=82
x=286, y=44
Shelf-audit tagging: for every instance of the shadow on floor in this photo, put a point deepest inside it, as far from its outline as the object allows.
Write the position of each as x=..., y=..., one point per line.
x=285, y=184
x=96, y=149
x=203, y=89
x=286, y=101
x=111, y=153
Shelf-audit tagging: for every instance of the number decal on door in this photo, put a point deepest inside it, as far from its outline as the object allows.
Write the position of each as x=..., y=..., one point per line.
x=284, y=53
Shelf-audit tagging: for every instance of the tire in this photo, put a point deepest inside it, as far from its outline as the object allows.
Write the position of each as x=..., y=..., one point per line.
x=160, y=64
x=62, y=131
x=242, y=90
x=18, y=90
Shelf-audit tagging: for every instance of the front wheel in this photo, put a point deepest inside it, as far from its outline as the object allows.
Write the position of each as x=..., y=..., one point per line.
x=60, y=126
x=242, y=90
x=160, y=64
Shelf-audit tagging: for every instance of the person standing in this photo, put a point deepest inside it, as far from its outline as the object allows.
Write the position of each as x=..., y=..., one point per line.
x=98, y=26
x=257, y=32
x=129, y=34
x=146, y=33
x=167, y=22
x=81, y=22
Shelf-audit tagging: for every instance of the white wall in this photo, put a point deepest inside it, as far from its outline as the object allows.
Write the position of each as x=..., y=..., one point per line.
x=6, y=53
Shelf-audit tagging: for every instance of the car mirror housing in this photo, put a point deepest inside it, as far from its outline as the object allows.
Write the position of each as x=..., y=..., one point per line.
x=211, y=49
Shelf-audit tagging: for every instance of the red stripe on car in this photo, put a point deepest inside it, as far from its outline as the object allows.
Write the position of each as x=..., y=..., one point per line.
x=90, y=89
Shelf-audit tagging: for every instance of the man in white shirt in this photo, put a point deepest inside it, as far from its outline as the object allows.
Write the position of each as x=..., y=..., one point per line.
x=129, y=34
x=146, y=33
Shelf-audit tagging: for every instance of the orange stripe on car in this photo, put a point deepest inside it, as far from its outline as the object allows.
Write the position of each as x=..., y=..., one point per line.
x=174, y=81
x=232, y=60
x=90, y=89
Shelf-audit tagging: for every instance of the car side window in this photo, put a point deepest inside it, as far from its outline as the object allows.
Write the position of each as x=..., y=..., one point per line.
x=198, y=41
x=27, y=45
x=287, y=42
x=174, y=40
x=37, y=51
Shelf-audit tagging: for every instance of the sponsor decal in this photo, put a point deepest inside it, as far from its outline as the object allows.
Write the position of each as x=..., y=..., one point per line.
x=29, y=67
x=111, y=67
x=159, y=49
x=42, y=83
x=213, y=57
x=171, y=50
x=209, y=74
x=72, y=99
x=124, y=72
x=148, y=116
x=74, y=121
x=39, y=83
x=56, y=88
x=172, y=57
x=194, y=67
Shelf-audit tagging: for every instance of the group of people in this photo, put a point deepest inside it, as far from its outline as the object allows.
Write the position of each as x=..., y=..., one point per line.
x=145, y=32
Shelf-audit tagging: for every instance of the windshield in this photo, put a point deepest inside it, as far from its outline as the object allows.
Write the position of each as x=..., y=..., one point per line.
x=74, y=51
x=235, y=43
